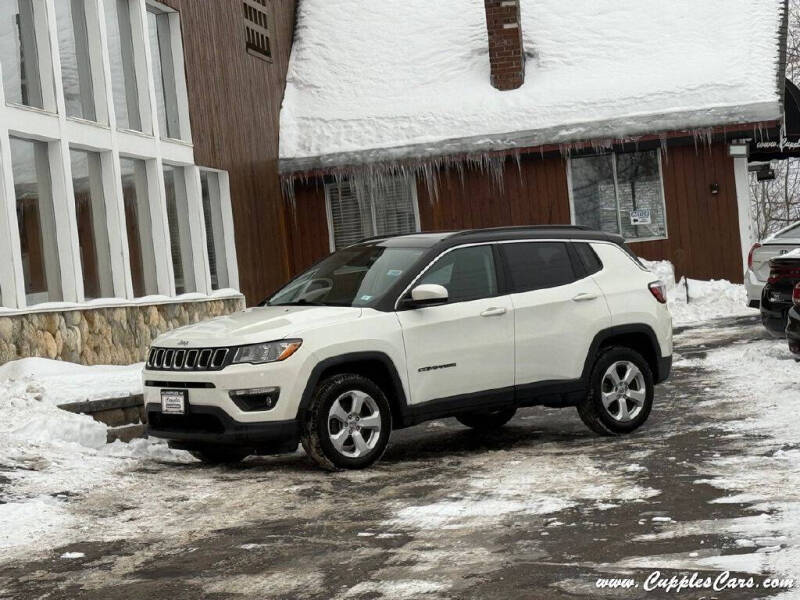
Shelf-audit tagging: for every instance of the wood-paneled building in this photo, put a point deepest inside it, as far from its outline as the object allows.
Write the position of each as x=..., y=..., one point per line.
x=518, y=113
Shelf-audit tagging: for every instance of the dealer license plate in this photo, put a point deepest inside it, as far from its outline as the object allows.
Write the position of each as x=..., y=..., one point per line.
x=173, y=402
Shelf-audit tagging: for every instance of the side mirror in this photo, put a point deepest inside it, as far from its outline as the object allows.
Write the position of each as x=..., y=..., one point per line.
x=428, y=294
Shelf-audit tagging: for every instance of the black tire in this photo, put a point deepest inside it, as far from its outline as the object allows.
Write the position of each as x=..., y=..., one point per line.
x=317, y=425
x=220, y=455
x=488, y=420
x=594, y=413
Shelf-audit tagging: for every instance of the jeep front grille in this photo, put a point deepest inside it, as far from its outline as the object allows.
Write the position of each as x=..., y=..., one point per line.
x=194, y=359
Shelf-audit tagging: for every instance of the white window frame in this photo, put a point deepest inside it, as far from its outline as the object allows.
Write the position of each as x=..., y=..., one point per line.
x=616, y=194
x=228, y=239
x=51, y=125
x=412, y=182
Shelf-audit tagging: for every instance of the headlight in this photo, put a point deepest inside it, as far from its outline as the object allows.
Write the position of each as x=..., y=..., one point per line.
x=267, y=352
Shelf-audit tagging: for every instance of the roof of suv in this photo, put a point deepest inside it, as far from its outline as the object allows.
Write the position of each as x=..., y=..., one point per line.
x=498, y=234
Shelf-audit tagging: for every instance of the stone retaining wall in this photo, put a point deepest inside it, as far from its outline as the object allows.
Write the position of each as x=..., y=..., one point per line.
x=117, y=335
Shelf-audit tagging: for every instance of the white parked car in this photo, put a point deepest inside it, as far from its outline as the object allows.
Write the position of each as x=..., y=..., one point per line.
x=755, y=278
x=392, y=332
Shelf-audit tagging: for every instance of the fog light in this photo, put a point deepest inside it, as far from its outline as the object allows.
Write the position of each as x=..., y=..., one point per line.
x=256, y=398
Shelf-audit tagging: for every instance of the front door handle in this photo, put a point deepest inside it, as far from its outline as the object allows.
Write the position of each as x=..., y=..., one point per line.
x=493, y=312
x=584, y=297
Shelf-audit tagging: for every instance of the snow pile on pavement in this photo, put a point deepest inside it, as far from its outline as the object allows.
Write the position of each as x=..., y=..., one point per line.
x=693, y=301
x=48, y=455
x=589, y=74
x=756, y=383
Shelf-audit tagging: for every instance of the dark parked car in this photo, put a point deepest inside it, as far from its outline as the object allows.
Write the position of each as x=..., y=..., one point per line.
x=793, y=325
x=776, y=298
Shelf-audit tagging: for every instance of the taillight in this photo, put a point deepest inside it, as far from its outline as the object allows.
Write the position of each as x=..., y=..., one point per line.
x=796, y=295
x=659, y=291
x=755, y=247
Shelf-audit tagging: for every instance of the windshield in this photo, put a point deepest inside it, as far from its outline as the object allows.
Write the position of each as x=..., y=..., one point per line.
x=355, y=276
x=792, y=232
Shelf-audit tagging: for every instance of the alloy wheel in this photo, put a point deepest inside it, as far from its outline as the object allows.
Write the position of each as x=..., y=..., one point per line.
x=623, y=391
x=354, y=424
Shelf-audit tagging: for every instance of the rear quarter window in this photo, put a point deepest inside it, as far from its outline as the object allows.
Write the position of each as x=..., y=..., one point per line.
x=591, y=262
x=538, y=265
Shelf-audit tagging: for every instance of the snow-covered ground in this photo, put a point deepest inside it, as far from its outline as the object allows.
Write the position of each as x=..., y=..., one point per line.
x=47, y=454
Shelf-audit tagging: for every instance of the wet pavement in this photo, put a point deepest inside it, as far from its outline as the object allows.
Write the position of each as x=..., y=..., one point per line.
x=539, y=509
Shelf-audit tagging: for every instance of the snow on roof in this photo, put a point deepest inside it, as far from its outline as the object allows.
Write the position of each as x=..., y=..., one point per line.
x=371, y=81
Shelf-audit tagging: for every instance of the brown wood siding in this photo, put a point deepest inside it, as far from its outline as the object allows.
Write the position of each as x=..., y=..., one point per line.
x=234, y=102
x=703, y=228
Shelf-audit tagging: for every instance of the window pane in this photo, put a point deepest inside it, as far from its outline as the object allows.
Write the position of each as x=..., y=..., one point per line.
x=215, y=235
x=639, y=185
x=588, y=256
x=351, y=214
x=123, y=68
x=393, y=203
x=90, y=208
x=538, y=265
x=36, y=218
x=180, y=241
x=18, y=53
x=359, y=211
x=76, y=72
x=139, y=227
x=467, y=273
x=164, y=73
x=593, y=193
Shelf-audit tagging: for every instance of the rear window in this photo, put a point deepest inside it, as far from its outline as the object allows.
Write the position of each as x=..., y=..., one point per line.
x=591, y=262
x=538, y=265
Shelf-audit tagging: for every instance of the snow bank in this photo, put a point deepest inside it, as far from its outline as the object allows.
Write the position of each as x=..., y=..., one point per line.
x=49, y=454
x=693, y=301
x=378, y=80
x=63, y=382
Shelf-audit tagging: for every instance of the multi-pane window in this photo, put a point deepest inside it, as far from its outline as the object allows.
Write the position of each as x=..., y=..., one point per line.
x=256, y=28
x=179, y=235
x=124, y=86
x=215, y=235
x=36, y=219
x=620, y=193
x=139, y=227
x=160, y=32
x=90, y=209
x=76, y=60
x=358, y=211
x=19, y=53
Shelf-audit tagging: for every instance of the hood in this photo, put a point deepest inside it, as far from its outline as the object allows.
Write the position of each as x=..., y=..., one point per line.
x=255, y=325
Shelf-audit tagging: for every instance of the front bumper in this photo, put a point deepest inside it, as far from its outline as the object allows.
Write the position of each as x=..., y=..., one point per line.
x=212, y=417
x=204, y=425
x=793, y=330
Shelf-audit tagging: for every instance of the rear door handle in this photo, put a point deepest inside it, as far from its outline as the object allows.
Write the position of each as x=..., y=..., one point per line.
x=584, y=297
x=493, y=312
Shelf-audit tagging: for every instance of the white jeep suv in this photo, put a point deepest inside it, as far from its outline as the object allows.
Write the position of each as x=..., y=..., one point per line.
x=395, y=331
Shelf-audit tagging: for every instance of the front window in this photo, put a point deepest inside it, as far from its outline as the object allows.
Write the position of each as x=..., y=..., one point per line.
x=119, y=26
x=358, y=211
x=139, y=226
x=19, y=54
x=215, y=233
x=164, y=72
x=620, y=193
x=76, y=67
x=36, y=218
x=355, y=276
x=466, y=273
x=179, y=236
x=90, y=208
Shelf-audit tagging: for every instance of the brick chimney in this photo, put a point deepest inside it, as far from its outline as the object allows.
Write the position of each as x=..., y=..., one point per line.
x=506, y=54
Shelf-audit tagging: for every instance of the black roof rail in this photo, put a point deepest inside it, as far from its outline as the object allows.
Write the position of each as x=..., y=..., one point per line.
x=520, y=228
